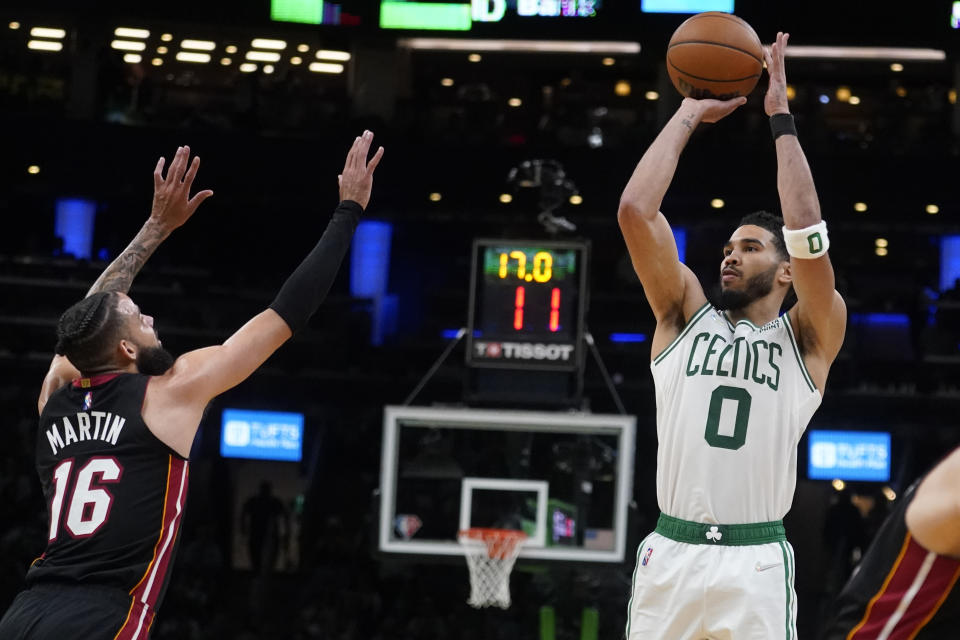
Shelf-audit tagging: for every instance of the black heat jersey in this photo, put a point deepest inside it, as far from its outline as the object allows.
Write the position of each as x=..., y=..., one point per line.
x=901, y=591
x=115, y=494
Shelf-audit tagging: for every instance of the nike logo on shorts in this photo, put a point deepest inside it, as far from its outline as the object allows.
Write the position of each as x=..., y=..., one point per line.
x=763, y=567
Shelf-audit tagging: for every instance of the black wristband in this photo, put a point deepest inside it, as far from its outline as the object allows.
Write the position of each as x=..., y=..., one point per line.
x=309, y=284
x=781, y=124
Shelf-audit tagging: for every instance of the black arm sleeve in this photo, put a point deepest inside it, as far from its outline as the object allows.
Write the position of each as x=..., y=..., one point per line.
x=307, y=287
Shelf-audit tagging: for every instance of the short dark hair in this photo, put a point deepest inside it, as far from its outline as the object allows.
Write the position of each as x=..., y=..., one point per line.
x=773, y=224
x=88, y=330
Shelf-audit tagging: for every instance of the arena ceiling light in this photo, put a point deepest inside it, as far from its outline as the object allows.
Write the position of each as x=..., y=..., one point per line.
x=44, y=45
x=522, y=46
x=200, y=45
x=326, y=67
x=130, y=32
x=192, y=56
x=263, y=56
x=248, y=67
x=128, y=45
x=132, y=58
x=866, y=53
x=330, y=54
x=265, y=43
x=48, y=32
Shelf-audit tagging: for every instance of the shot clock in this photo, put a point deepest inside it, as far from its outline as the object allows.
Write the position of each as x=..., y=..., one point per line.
x=527, y=302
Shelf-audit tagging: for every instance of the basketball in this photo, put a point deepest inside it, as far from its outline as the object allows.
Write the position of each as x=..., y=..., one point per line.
x=714, y=55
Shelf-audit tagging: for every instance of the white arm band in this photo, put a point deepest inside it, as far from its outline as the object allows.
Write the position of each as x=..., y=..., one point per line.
x=808, y=243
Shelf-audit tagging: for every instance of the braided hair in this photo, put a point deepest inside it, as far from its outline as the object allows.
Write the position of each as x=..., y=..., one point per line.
x=773, y=224
x=87, y=331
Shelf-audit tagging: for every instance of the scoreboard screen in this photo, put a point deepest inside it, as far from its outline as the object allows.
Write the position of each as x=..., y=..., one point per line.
x=461, y=16
x=528, y=19
x=686, y=6
x=527, y=304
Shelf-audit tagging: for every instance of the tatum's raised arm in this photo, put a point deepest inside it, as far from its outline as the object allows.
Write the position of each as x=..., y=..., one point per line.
x=820, y=315
x=672, y=290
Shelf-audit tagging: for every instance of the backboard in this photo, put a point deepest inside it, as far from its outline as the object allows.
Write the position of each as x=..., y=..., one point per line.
x=563, y=478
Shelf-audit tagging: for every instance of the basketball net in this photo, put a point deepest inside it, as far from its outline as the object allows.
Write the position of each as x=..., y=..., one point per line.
x=490, y=556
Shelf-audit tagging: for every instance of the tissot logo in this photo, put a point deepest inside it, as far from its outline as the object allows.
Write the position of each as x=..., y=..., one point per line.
x=523, y=350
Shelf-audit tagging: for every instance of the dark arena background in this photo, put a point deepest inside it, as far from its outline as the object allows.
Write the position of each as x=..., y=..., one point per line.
x=510, y=129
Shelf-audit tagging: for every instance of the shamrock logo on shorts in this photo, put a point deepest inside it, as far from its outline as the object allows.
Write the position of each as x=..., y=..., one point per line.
x=714, y=534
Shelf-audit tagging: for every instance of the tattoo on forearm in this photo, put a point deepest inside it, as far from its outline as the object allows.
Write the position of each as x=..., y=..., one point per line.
x=687, y=123
x=121, y=272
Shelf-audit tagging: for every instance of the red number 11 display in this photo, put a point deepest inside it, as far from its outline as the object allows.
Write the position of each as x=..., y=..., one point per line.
x=555, y=309
x=518, y=301
x=518, y=310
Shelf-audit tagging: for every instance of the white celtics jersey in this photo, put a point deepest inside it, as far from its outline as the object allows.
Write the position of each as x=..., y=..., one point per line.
x=732, y=403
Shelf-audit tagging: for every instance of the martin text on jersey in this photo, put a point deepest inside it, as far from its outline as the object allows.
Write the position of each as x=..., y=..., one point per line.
x=93, y=425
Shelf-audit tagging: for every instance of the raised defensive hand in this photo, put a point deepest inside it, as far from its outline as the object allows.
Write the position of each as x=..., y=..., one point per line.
x=356, y=181
x=172, y=204
x=776, y=99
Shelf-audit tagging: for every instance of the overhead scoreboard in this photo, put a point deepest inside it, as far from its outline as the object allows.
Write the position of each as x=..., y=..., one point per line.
x=527, y=304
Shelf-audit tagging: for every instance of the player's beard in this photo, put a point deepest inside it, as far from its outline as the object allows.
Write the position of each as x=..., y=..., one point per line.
x=756, y=287
x=154, y=361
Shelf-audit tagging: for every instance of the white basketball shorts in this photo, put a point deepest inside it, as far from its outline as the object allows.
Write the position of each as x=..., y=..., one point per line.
x=696, y=581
